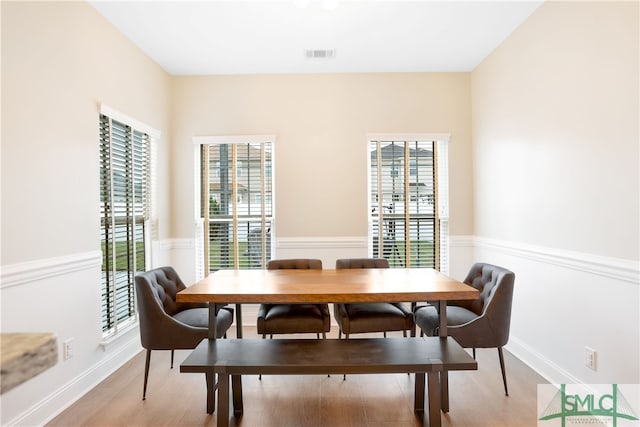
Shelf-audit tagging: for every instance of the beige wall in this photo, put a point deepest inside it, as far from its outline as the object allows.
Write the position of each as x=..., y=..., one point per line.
x=555, y=122
x=59, y=61
x=555, y=150
x=321, y=123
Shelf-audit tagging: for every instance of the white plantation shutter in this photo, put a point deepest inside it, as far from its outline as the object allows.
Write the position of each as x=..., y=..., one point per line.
x=124, y=217
x=199, y=249
x=442, y=155
x=408, y=215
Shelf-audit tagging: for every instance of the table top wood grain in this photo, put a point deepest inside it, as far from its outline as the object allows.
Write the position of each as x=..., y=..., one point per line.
x=25, y=355
x=331, y=286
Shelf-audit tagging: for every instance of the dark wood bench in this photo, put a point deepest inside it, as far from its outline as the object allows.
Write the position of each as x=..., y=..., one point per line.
x=236, y=357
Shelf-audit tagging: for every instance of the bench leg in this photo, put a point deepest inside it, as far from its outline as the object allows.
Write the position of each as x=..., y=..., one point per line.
x=434, y=399
x=236, y=387
x=223, y=400
x=444, y=375
x=444, y=389
x=211, y=395
x=418, y=394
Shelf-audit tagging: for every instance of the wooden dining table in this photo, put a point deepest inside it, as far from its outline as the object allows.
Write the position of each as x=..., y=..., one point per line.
x=290, y=286
x=326, y=286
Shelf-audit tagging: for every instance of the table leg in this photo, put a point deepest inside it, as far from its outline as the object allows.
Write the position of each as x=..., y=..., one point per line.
x=223, y=400
x=442, y=313
x=213, y=316
x=413, y=310
x=236, y=387
x=238, y=321
x=418, y=403
x=434, y=399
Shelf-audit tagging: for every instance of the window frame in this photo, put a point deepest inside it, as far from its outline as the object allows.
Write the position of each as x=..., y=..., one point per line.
x=405, y=172
x=267, y=169
x=111, y=322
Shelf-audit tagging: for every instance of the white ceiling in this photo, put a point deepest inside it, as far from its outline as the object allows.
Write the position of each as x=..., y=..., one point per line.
x=248, y=37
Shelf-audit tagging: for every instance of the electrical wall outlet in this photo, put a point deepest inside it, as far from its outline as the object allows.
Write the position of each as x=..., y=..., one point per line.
x=67, y=349
x=590, y=358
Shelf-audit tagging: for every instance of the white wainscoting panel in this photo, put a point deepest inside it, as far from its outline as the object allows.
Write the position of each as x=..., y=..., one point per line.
x=565, y=301
x=181, y=255
x=59, y=295
x=327, y=249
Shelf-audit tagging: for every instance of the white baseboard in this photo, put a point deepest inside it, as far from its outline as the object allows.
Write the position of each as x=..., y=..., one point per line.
x=546, y=368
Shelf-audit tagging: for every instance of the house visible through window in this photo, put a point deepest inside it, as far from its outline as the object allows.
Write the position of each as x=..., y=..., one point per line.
x=124, y=217
x=408, y=221
x=236, y=202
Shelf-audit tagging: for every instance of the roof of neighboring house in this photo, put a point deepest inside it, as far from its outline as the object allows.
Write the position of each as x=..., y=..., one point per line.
x=217, y=187
x=395, y=151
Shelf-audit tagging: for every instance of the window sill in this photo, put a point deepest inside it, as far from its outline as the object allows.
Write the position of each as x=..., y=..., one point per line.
x=122, y=333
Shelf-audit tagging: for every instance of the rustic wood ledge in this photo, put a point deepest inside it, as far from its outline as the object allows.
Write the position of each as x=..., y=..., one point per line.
x=25, y=355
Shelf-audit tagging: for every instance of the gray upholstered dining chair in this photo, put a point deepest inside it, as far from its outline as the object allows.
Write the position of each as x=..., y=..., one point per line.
x=294, y=318
x=481, y=323
x=169, y=325
x=356, y=318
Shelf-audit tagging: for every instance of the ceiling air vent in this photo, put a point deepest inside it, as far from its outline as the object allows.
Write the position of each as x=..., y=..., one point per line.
x=320, y=53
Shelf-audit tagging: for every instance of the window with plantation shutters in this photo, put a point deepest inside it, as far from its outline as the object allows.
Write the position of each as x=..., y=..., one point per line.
x=409, y=210
x=124, y=217
x=236, y=202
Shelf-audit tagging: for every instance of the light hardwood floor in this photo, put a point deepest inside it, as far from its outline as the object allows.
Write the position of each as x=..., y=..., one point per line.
x=178, y=399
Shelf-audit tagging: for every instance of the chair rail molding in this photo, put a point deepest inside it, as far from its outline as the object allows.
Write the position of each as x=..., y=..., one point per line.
x=30, y=271
x=612, y=268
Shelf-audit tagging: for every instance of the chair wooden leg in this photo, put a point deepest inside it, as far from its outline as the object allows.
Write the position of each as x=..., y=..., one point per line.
x=504, y=375
x=146, y=375
x=474, y=354
x=171, y=359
